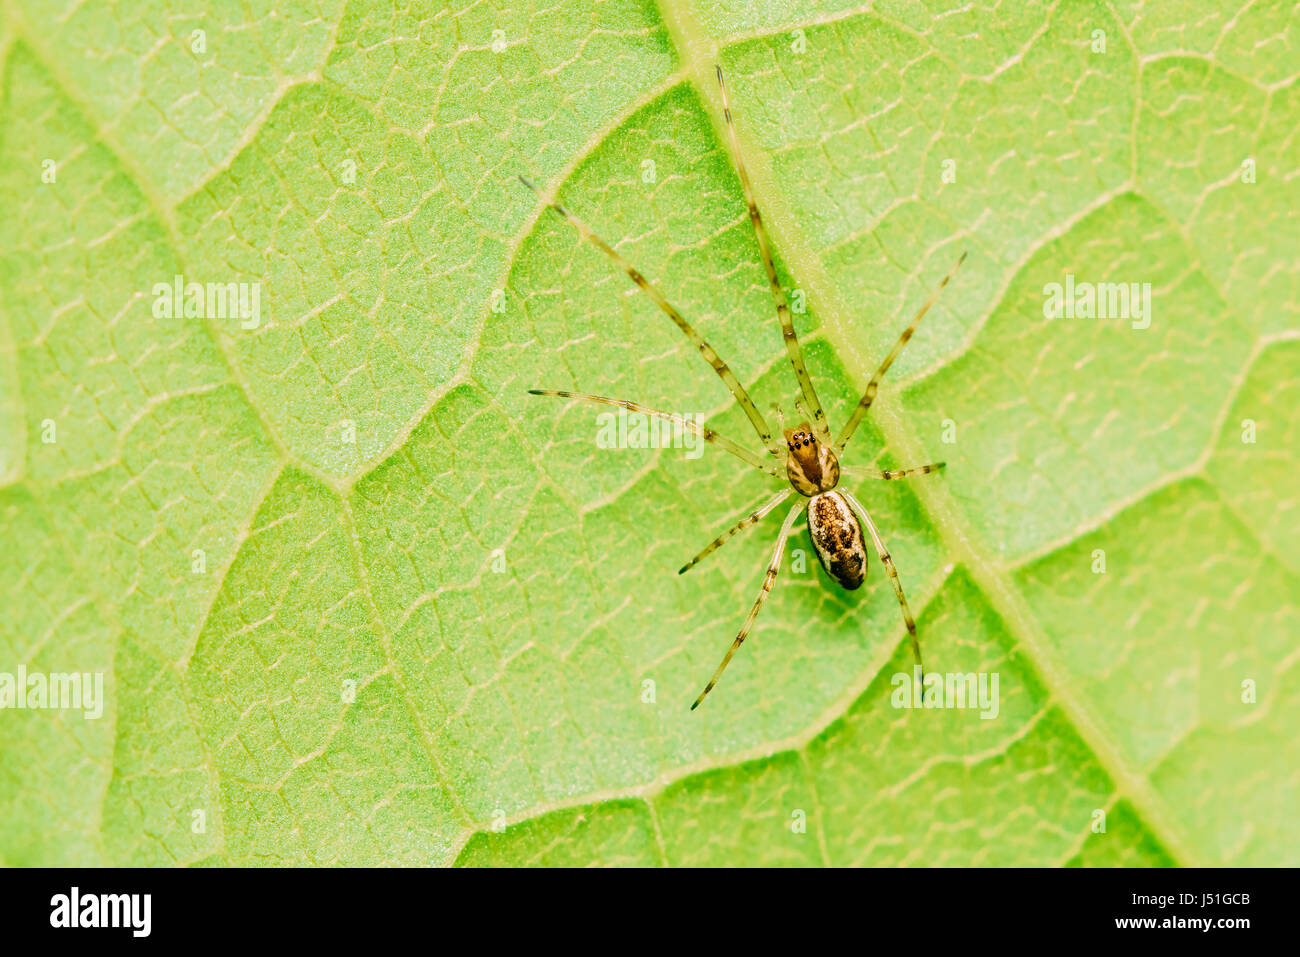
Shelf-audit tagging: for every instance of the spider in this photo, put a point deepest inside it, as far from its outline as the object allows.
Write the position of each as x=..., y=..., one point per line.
x=809, y=455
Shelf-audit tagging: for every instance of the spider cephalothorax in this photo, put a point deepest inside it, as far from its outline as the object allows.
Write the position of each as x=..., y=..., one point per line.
x=836, y=520
x=811, y=466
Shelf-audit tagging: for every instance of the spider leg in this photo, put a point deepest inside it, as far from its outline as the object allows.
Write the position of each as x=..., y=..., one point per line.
x=883, y=553
x=869, y=396
x=792, y=347
x=710, y=354
x=707, y=434
x=768, y=580
x=892, y=473
x=752, y=518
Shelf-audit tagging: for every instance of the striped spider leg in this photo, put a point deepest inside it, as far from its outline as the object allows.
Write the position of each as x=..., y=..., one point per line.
x=889, y=474
x=650, y=289
x=769, y=579
x=811, y=458
x=883, y=554
x=792, y=348
x=869, y=396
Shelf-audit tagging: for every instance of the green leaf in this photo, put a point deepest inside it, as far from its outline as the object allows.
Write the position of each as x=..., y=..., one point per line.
x=359, y=599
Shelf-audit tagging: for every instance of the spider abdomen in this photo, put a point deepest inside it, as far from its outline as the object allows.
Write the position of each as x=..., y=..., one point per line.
x=837, y=536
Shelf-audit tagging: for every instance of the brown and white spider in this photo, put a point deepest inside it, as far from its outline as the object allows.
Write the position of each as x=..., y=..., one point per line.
x=810, y=457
